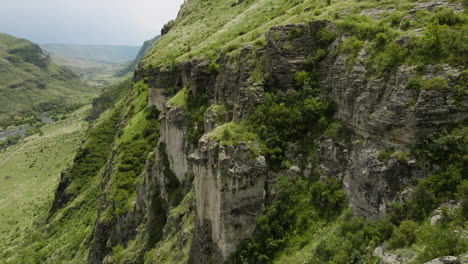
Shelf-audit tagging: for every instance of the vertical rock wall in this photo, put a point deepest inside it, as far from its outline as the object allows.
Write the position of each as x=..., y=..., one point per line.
x=230, y=191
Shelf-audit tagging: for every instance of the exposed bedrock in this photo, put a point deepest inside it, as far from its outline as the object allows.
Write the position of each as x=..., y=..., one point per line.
x=229, y=188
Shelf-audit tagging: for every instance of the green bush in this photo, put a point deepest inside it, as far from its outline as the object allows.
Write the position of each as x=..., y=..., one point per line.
x=301, y=77
x=294, y=33
x=440, y=44
x=414, y=83
x=446, y=16
x=463, y=196
x=385, y=155
x=400, y=156
x=279, y=122
x=435, y=83
x=388, y=59
x=214, y=68
x=313, y=59
x=404, y=235
x=351, y=47
x=10, y=141
x=440, y=241
x=231, y=47
x=461, y=87
x=361, y=26
x=300, y=203
x=350, y=242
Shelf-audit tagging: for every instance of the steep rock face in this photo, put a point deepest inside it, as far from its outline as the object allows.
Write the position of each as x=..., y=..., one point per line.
x=230, y=183
x=287, y=49
x=173, y=127
x=369, y=183
x=231, y=86
x=385, y=106
x=158, y=98
x=230, y=192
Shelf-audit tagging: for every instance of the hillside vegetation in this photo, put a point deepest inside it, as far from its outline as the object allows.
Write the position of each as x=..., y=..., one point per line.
x=30, y=169
x=31, y=82
x=275, y=131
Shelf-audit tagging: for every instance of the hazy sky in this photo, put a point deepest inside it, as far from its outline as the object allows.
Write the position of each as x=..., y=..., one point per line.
x=118, y=22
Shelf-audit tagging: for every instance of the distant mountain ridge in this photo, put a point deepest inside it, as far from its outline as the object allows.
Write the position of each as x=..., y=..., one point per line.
x=147, y=45
x=101, y=53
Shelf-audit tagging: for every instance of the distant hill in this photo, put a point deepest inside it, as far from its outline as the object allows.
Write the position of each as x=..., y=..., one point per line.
x=108, y=54
x=30, y=81
x=147, y=45
x=95, y=65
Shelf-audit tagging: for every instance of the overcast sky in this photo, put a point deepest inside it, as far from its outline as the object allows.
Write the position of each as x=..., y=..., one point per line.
x=117, y=22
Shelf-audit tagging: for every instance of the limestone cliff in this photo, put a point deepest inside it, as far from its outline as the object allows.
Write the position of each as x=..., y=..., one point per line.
x=318, y=141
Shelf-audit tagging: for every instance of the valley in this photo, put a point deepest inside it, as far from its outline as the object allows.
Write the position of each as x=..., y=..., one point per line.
x=95, y=65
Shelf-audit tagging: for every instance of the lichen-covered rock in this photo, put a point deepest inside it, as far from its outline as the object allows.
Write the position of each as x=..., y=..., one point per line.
x=369, y=183
x=438, y=214
x=387, y=258
x=230, y=193
x=386, y=107
x=445, y=260
x=287, y=50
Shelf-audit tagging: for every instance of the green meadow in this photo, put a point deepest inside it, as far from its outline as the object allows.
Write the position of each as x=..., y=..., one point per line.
x=30, y=170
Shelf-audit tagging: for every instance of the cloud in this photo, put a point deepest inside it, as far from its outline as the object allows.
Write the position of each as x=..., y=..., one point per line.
x=118, y=22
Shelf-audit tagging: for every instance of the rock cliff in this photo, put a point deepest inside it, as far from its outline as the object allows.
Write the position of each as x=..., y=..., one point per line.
x=317, y=142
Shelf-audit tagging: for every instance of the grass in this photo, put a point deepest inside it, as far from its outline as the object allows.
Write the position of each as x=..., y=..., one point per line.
x=175, y=248
x=232, y=133
x=179, y=99
x=206, y=28
x=29, y=171
x=61, y=240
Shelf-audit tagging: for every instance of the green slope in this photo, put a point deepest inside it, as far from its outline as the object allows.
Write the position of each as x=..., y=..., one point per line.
x=30, y=81
x=29, y=172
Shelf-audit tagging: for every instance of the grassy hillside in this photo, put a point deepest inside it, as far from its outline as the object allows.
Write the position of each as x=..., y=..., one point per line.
x=207, y=28
x=29, y=172
x=31, y=82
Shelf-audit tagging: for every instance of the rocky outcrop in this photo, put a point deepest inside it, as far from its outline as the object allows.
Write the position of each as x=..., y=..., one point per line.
x=287, y=50
x=387, y=108
x=382, y=109
x=445, y=260
x=439, y=214
x=369, y=183
x=231, y=183
x=158, y=98
x=173, y=126
x=388, y=258
x=230, y=192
